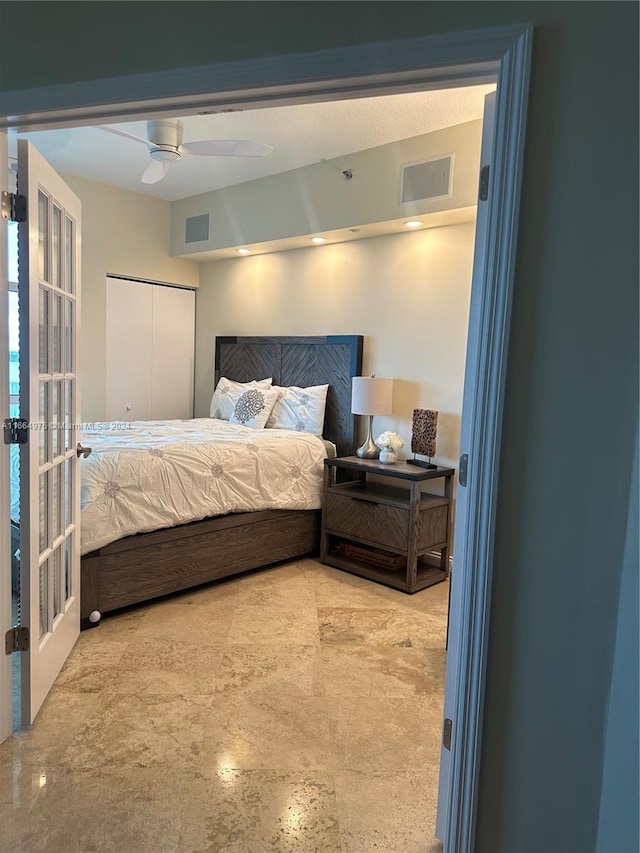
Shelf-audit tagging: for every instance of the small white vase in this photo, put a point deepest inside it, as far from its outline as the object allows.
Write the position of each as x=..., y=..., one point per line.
x=388, y=456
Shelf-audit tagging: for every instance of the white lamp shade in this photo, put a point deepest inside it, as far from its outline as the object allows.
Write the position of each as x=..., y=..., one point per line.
x=371, y=395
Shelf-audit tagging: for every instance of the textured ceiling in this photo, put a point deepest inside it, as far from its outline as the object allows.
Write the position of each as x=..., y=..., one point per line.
x=299, y=135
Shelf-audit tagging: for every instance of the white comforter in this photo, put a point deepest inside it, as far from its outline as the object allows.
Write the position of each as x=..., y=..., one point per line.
x=161, y=473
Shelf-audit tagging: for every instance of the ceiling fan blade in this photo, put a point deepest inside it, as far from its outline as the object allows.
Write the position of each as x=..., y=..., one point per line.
x=155, y=171
x=227, y=148
x=123, y=133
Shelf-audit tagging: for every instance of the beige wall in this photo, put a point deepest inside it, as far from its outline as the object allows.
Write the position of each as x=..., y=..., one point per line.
x=127, y=234
x=408, y=294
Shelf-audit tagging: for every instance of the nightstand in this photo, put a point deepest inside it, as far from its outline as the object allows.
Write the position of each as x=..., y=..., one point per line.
x=387, y=530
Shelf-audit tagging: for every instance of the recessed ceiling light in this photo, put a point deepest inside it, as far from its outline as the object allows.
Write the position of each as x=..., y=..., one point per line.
x=413, y=223
x=244, y=251
x=318, y=239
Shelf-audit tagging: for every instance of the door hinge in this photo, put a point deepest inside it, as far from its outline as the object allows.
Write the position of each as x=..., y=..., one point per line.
x=483, y=192
x=14, y=207
x=16, y=640
x=15, y=431
x=462, y=469
x=446, y=733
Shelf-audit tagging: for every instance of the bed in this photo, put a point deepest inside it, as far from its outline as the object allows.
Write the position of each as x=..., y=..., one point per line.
x=144, y=566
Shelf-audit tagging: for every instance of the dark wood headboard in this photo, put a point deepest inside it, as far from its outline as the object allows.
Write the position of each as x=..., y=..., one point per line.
x=301, y=361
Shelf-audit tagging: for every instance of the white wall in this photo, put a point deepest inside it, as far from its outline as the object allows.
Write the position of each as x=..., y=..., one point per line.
x=127, y=234
x=408, y=294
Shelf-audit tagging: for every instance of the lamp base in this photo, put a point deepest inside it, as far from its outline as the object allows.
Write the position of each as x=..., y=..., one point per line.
x=422, y=463
x=369, y=450
x=366, y=452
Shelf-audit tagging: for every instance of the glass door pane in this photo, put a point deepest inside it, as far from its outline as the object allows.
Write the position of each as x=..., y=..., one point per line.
x=43, y=235
x=69, y=249
x=56, y=247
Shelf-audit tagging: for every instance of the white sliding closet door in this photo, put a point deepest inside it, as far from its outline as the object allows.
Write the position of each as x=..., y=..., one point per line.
x=173, y=352
x=150, y=351
x=129, y=350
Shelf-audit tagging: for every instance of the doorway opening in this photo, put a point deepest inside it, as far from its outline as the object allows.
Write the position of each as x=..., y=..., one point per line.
x=444, y=391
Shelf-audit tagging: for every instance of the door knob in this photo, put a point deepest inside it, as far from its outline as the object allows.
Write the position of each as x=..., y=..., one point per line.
x=82, y=451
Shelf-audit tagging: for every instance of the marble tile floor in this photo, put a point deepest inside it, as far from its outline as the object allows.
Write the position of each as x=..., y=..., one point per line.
x=296, y=708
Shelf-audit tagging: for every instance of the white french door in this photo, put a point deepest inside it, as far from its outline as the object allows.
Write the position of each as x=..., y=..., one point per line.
x=49, y=290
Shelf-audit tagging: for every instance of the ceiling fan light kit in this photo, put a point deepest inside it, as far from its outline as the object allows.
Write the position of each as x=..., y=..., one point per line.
x=166, y=155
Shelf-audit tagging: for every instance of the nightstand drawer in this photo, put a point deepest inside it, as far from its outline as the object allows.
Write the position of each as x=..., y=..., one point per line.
x=385, y=525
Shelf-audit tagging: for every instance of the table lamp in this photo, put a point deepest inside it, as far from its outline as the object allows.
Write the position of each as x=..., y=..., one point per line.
x=370, y=396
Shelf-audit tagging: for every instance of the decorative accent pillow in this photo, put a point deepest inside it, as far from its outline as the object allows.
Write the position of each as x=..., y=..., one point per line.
x=227, y=394
x=253, y=407
x=301, y=409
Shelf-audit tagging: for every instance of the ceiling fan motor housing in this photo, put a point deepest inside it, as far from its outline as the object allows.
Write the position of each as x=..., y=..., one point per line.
x=165, y=137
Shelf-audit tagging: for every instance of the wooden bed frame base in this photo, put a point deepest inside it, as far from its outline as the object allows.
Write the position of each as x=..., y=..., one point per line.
x=148, y=565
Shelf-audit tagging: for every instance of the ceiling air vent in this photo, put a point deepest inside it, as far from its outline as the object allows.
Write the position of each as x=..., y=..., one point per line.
x=427, y=180
x=196, y=228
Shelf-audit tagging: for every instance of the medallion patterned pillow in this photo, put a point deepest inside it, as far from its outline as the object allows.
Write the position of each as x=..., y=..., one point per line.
x=227, y=394
x=300, y=409
x=253, y=407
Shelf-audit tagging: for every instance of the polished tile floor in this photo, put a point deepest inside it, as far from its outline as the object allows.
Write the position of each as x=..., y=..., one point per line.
x=292, y=709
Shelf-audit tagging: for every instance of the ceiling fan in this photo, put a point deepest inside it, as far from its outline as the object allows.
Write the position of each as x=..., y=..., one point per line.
x=165, y=147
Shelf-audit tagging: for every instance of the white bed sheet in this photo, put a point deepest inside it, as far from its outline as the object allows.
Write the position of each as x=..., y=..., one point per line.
x=156, y=474
x=161, y=473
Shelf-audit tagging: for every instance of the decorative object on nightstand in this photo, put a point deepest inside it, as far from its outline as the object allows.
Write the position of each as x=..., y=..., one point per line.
x=423, y=437
x=389, y=443
x=370, y=396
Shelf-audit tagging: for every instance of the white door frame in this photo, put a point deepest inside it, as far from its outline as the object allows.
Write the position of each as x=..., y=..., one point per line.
x=500, y=54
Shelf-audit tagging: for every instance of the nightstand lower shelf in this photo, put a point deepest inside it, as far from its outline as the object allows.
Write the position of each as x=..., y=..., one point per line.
x=427, y=575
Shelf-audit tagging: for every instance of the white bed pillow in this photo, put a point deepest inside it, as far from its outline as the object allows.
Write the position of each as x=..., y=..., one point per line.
x=301, y=409
x=253, y=407
x=227, y=393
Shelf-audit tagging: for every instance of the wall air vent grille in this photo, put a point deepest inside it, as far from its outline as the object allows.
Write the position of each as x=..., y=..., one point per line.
x=196, y=228
x=430, y=179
